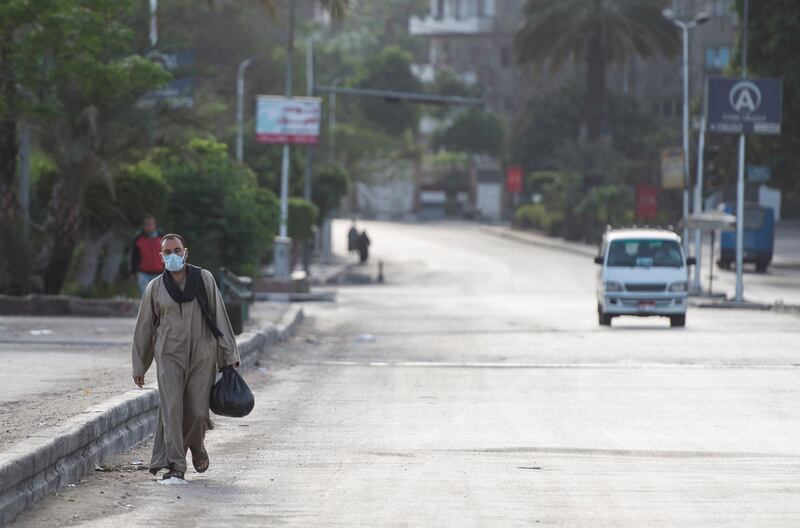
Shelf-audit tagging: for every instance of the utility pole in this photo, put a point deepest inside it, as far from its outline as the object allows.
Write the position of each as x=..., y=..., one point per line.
x=699, y=18
x=698, y=206
x=240, y=107
x=740, y=178
x=153, y=23
x=283, y=244
x=309, y=149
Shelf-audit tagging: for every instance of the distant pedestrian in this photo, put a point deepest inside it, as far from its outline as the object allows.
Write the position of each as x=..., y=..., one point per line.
x=363, y=246
x=352, y=237
x=146, y=261
x=183, y=324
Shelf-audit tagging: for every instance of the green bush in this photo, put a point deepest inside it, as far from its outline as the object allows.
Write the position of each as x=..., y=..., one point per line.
x=215, y=203
x=141, y=190
x=303, y=217
x=331, y=183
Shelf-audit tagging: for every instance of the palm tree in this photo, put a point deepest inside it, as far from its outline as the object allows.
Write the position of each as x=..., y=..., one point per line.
x=597, y=33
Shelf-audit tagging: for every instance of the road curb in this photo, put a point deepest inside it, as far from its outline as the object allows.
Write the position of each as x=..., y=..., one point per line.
x=60, y=455
x=537, y=239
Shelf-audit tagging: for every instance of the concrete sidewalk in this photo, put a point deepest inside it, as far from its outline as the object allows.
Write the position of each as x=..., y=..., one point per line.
x=55, y=367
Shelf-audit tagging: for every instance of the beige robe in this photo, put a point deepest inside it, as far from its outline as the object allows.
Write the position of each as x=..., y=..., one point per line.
x=187, y=356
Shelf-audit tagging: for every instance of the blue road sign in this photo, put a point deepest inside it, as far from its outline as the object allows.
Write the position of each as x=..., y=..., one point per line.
x=751, y=106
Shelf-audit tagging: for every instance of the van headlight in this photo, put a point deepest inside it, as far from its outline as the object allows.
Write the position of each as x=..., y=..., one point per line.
x=681, y=286
x=612, y=286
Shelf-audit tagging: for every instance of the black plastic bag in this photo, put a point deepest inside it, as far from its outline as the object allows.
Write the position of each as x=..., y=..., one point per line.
x=231, y=396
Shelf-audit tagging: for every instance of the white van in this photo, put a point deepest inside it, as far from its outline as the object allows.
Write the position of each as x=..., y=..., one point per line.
x=644, y=273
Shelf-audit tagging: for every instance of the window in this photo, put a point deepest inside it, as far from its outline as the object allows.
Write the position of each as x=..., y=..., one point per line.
x=631, y=253
x=717, y=57
x=439, y=10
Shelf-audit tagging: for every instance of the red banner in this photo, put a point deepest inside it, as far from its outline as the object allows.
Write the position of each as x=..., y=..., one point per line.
x=514, y=179
x=646, y=201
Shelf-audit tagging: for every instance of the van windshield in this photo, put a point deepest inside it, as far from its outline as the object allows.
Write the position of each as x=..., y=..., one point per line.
x=644, y=253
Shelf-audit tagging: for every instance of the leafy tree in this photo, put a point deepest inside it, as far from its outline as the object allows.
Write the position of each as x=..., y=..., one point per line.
x=596, y=33
x=773, y=41
x=227, y=219
x=303, y=216
x=389, y=70
x=552, y=120
x=331, y=184
x=66, y=63
x=475, y=132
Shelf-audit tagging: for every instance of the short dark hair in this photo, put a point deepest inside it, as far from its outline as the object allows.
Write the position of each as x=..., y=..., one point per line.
x=173, y=236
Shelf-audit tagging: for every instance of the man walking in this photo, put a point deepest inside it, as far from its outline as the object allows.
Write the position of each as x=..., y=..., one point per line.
x=146, y=261
x=183, y=324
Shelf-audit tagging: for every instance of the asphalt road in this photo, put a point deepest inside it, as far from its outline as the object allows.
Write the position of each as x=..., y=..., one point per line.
x=475, y=388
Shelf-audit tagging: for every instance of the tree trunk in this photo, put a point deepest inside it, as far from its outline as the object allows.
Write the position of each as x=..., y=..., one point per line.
x=595, y=97
x=8, y=137
x=62, y=227
x=115, y=253
x=93, y=245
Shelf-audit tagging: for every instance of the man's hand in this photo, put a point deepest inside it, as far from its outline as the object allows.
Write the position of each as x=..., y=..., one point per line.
x=139, y=380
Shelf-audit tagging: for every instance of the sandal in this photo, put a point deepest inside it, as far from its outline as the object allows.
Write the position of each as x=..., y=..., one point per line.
x=200, y=461
x=172, y=473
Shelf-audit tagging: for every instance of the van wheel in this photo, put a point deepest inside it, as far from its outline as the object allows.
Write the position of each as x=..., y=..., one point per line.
x=725, y=264
x=677, y=321
x=602, y=318
x=761, y=267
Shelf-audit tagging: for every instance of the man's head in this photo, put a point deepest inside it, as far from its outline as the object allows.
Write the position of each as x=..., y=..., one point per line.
x=149, y=224
x=173, y=244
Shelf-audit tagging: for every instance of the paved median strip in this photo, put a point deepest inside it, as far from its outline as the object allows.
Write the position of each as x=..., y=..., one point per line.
x=55, y=457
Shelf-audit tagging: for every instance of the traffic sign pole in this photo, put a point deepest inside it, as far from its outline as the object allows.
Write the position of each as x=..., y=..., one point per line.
x=740, y=182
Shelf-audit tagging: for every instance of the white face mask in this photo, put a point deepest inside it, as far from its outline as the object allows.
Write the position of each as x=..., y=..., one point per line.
x=174, y=262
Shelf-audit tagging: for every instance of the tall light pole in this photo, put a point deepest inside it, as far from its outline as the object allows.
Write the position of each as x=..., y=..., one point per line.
x=240, y=107
x=283, y=244
x=332, y=119
x=740, y=178
x=153, y=36
x=700, y=18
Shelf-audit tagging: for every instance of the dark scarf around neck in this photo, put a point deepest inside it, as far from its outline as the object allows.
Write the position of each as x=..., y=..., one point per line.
x=195, y=288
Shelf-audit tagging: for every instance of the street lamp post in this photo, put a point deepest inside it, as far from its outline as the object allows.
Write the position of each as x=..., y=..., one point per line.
x=283, y=244
x=240, y=107
x=700, y=18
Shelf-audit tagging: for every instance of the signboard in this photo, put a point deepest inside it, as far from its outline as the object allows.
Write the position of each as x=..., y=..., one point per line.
x=514, y=179
x=744, y=106
x=292, y=121
x=759, y=173
x=179, y=92
x=646, y=201
x=672, y=168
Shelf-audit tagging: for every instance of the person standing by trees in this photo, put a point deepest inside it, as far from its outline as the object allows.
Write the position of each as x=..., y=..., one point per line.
x=189, y=341
x=146, y=261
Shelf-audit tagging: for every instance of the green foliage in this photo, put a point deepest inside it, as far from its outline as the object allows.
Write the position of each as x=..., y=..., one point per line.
x=215, y=203
x=135, y=191
x=538, y=216
x=303, y=216
x=140, y=190
x=595, y=33
x=389, y=70
x=773, y=43
x=552, y=120
x=609, y=204
x=330, y=185
x=572, y=209
x=475, y=132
